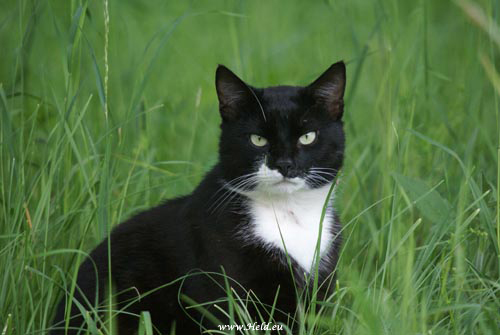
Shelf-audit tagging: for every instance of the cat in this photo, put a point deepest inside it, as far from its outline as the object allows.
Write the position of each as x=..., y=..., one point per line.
x=252, y=224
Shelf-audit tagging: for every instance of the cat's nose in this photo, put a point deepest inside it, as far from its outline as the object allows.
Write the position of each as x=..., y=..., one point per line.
x=286, y=168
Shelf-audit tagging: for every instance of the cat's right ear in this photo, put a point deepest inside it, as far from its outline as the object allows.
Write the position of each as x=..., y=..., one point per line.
x=231, y=92
x=328, y=89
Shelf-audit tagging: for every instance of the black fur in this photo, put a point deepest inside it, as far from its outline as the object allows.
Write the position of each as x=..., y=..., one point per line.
x=201, y=231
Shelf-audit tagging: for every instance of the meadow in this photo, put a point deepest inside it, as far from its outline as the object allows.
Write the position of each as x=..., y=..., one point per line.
x=109, y=107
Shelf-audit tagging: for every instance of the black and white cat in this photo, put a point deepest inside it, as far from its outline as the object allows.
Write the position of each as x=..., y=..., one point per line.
x=256, y=217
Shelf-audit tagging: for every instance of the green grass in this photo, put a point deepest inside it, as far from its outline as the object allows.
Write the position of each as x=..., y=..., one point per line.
x=419, y=194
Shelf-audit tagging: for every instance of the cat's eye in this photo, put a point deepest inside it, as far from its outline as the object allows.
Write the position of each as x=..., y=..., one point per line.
x=257, y=140
x=308, y=138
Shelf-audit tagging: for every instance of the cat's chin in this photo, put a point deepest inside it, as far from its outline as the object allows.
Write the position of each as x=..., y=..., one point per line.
x=270, y=181
x=282, y=186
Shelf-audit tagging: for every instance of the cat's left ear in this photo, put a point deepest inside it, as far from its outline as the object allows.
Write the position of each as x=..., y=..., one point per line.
x=328, y=89
x=231, y=91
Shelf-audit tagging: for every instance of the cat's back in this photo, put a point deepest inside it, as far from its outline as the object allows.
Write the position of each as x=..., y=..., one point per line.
x=170, y=233
x=153, y=241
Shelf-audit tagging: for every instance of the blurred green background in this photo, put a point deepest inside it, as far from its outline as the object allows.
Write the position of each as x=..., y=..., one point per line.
x=418, y=195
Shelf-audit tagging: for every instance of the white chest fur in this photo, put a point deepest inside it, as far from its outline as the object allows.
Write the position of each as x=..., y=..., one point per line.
x=292, y=222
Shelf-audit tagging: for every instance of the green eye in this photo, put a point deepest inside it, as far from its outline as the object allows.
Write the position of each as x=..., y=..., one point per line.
x=308, y=138
x=257, y=140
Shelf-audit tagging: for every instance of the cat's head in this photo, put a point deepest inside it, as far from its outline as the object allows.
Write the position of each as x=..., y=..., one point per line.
x=281, y=139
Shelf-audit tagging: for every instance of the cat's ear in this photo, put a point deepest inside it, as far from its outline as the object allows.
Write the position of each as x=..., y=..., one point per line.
x=231, y=91
x=328, y=89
